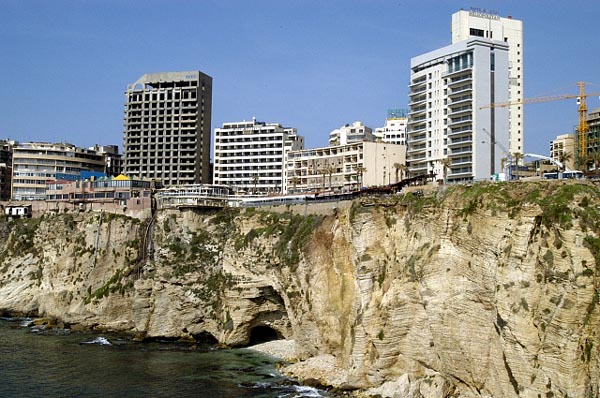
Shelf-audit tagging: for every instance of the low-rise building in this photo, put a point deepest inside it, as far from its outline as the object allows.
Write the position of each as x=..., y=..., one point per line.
x=36, y=163
x=193, y=195
x=110, y=192
x=344, y=168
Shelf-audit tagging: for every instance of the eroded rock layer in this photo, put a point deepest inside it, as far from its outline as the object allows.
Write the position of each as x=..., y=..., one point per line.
x=489, y=290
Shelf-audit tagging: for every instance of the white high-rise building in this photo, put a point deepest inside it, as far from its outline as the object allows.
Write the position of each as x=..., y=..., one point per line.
x=394, y=130
x=448, y=135
x=251, y=156
x=488, y=24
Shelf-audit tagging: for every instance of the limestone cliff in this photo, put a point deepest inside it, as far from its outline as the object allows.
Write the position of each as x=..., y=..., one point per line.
x=482, y=291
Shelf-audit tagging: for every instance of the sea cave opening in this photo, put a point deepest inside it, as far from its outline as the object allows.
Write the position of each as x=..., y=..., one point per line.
x=262, y=334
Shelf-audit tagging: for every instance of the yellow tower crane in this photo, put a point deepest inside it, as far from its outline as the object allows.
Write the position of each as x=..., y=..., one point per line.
x=582, y=127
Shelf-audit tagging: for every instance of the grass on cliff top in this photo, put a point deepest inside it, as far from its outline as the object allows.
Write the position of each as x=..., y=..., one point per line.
x=560, y=202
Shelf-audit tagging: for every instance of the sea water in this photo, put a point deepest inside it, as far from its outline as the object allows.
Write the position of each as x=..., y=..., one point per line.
x=37, y=362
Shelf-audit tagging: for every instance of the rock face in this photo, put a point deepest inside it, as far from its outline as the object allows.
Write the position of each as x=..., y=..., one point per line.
x=482, y=291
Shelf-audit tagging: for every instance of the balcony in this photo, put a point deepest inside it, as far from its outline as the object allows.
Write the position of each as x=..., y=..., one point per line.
x=461, y=150
x=417, y=138
x=415, y=150
x=417, y=111
x=459, y=121
x=460, y=141
x=416, y=129
x=417, y=120
x=453, y=73
x=465, y=99
x=418, y=90
x=456, y=111
x=460, y=131
x=467, y=88
x=418, y=81
x=461, y=79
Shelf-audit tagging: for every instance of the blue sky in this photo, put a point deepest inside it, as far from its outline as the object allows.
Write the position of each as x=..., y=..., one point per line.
x=313, y=65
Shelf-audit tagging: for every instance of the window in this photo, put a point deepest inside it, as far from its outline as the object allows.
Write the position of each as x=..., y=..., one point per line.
x=476, y=32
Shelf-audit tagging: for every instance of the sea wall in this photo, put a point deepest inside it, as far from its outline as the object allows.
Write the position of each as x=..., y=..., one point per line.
x=482, y=291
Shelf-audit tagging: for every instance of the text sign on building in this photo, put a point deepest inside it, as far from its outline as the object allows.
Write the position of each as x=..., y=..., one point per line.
x=484, y=13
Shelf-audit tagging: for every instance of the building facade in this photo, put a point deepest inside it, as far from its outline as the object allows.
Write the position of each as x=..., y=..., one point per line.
x=250, y=156
x=593, y=139
x=394, y=131
x=563, y=149
x=120, y=192
x=344, y=168
x=113, y=161
x=35, y=163
x=349, y=133
x=6, y=150
x=448, y=134
x=168, y=126
x=487, y=24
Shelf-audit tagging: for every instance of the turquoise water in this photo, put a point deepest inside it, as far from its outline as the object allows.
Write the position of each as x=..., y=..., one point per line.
x=59, y=363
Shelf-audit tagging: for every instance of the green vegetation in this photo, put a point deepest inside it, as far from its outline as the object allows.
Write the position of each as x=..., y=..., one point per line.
x=19, y=238
x=287, y=232
x=110, y=286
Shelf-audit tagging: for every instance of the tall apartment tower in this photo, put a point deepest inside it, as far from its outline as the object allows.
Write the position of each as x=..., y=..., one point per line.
x=488, y=24
x=168, y=126
x=448, y=135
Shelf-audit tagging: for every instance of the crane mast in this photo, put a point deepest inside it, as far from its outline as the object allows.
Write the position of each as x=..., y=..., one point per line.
x=582, y=125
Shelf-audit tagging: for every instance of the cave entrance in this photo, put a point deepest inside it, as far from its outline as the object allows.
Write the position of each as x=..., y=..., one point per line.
x=262, y=334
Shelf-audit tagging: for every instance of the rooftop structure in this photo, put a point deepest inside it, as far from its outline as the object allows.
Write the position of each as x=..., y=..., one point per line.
x=349, y=133
x=168, y=126
x=394, y=131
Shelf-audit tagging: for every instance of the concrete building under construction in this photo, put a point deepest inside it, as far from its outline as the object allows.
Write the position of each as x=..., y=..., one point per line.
x=168, y=126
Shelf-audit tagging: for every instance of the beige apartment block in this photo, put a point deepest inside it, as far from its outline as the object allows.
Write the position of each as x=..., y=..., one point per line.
x=344, y=168
x=564, y=146
x=35, y=163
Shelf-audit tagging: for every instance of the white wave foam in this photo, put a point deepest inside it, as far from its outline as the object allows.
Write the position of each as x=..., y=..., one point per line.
x=305, y=391
x=99, y=341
